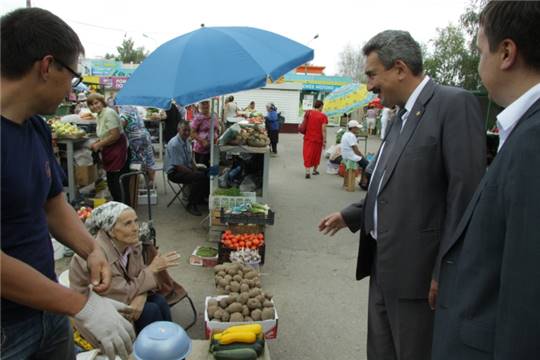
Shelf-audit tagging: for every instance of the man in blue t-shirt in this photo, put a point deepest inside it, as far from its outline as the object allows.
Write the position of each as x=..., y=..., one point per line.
x=39, y=53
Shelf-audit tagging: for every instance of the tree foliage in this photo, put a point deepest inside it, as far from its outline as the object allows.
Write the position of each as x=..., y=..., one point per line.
x=453, y=59
x=351, y=63
x=127, y=52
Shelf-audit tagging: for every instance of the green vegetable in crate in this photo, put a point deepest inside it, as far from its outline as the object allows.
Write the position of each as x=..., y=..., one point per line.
x=236, y=354
x=258, y=346
x=228, y=192
x=207, y=251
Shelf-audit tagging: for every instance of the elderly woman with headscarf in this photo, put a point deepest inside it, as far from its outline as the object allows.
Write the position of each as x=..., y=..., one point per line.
x=132, y=282
x=140, y=142
x=112, y=143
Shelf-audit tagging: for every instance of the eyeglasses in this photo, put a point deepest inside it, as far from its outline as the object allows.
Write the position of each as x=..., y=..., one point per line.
x=77, y=77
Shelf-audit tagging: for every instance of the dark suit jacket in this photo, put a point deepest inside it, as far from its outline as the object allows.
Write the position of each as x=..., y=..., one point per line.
x=489, y=298
x=431, y=176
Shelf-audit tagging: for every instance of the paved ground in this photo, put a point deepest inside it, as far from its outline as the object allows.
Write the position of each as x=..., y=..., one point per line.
x=322, y=309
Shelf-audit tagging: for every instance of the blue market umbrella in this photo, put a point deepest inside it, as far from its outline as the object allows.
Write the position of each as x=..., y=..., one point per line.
x=211, y=61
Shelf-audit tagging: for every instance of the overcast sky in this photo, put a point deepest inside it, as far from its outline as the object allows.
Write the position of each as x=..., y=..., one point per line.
x=102, y=25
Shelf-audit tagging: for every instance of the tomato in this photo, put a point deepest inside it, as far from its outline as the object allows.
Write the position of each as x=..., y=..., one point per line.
x=248, y=244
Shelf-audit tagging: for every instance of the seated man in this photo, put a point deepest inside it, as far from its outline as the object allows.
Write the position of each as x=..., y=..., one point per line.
x=349, y=145
x=181, y=168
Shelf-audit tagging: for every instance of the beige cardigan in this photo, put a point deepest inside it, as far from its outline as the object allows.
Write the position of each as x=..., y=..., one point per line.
x=125, y=284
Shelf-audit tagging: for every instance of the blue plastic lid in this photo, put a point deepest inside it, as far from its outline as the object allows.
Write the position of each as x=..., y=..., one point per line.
x=162, y=340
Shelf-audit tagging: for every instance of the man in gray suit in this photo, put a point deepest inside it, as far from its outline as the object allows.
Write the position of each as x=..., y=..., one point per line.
x=426, y=171
x=488, y=306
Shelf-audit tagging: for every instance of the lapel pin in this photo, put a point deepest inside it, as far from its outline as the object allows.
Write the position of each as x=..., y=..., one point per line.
x=418, y=113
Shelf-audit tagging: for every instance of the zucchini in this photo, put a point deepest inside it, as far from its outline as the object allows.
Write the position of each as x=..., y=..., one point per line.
x=258, y=346
x=236, y=354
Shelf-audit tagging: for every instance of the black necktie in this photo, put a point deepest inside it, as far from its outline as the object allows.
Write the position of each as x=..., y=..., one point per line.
x=377, y=176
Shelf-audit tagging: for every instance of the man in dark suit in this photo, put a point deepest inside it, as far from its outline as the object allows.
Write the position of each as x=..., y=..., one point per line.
x=488, y=306
x=426, y=171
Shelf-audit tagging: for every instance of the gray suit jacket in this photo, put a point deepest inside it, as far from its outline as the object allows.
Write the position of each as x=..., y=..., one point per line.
x=435, y=167
x=490, y=274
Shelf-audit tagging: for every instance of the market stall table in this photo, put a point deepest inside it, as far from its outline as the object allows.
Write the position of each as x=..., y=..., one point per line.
x=69, y=143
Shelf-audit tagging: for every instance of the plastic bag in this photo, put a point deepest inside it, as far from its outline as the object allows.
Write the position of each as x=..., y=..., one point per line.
x=230, y=135
x=83, y=157
x=248, y=184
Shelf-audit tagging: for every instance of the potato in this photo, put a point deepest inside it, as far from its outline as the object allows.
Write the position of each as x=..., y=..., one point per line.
x=212, y=302
x=251, y=275
x=219, y=268
x=245, y=310
x=254, y=292
x=218, y=314
x=267, y=313
x=228, y=288
x=228, y=278
x=235, y=286
x=240, y=273
x=211, y=310
x=234, y=307
x=231, y=271
x=253, y=304
x=260, y=297
x=256, y=314
x=251, y=283
x=221, y=291
x=268, y=303
x=221, y=273
x=236, y=317
x=237, y=278
x=244, y=288
x=223, y=283
x=248, y=319
x=223, y=303
x=257, y=283
x=231, y=299
x=243, y=298
x=268, y=295
x=235, y=295
x=226, y=316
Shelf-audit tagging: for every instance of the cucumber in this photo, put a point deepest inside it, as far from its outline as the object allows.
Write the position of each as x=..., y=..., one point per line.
x=258, y=346
x=236, y=354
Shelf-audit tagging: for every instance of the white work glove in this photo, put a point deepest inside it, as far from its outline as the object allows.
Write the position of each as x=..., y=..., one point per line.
x=101, y=317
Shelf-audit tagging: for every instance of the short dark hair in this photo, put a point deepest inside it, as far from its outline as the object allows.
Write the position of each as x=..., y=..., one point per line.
x=29, y=34
x=181, y=124
x=393, y=45
x=318, y=104
x=515, y=20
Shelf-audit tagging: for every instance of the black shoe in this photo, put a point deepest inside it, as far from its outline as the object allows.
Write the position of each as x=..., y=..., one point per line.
x=315, y=172
x=308, y=176
x=193, y=210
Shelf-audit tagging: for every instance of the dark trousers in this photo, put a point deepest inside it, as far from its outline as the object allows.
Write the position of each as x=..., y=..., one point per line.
x=398, y=329
x=113, y=182
x=200, y=184
x=274, y=139
x=155, y=309
x=363, y=163
x=202, y=159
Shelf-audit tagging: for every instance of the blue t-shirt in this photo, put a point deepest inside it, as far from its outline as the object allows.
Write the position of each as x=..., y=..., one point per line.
x=273, y=120
x=30, y=176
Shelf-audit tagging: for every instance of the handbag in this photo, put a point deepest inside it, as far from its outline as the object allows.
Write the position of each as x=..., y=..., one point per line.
x=114, y=156
x=303, y=126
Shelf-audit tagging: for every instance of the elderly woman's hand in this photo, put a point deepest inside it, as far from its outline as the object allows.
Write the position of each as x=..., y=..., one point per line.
x=162, y=262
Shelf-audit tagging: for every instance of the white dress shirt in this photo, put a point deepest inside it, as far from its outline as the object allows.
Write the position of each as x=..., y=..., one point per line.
x=509, y=117
x=408, y=107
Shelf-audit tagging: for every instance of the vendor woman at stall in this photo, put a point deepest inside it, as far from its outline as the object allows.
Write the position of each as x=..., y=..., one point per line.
x=200, y=132
x=112, y=143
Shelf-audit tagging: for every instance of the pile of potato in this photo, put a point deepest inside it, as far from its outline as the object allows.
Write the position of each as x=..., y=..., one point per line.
x=247, y=306
x=236, y=278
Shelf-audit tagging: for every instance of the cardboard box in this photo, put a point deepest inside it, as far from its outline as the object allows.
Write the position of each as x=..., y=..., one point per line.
x=196, y=260
x=270, y=327
x=85, y=175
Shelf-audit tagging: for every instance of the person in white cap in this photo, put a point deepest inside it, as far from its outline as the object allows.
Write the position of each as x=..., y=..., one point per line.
x=349, y=145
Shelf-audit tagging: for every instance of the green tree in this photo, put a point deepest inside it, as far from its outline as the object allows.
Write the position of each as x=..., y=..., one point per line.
x=127, y=52
x=454, y=58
